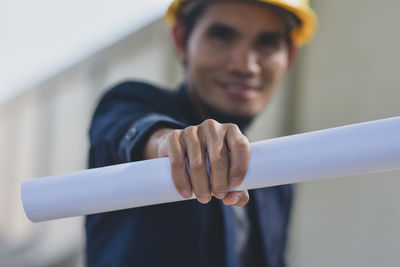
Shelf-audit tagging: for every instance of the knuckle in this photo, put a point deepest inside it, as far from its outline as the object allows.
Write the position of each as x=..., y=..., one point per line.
x=241, y=143
x=177, y=162
x=190, y=131
x=231, y=126
x=175, y=134
x=197, y=164
x=219, y=159
x=190, y=128
x=219, y=152
x=191, y=137
x=209, y=123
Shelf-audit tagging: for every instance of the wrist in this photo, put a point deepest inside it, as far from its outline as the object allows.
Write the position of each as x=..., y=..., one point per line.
x=151, y=148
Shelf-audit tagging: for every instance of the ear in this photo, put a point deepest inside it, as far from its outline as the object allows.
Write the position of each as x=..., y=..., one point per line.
x=292, y=54
x=178, y=33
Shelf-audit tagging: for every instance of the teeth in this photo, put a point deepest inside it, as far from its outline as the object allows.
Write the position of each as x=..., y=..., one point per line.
x=236, y=88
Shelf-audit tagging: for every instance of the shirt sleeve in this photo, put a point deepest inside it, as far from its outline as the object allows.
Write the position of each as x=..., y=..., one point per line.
x=124, y=119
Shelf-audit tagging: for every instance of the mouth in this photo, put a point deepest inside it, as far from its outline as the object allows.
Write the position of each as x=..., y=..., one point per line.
x=238, y=91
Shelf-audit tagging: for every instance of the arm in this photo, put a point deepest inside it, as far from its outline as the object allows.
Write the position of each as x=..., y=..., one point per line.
x=127, y=126
x=194, y=142
x=123, y=120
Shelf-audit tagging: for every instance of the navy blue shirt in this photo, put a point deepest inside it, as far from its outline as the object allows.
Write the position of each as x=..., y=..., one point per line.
x=184, y=233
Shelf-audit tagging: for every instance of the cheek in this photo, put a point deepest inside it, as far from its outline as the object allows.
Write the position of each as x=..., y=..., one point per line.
x=204, y=64
x=274, y=67
x=206, y=58
x=273, y=70
x=204, y=54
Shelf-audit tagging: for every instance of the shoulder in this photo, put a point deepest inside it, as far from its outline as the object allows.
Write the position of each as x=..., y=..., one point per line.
x=137, y=91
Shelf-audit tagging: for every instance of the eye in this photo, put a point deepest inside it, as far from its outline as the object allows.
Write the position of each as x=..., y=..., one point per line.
x=221, y=33
x=274, y=40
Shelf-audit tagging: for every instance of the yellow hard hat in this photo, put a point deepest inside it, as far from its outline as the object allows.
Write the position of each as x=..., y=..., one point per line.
x=300, y=8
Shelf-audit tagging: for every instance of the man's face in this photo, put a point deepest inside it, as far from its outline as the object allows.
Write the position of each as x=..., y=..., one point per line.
x=235, y=57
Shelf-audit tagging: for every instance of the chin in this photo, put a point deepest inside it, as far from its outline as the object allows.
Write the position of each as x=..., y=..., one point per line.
x=248, y=110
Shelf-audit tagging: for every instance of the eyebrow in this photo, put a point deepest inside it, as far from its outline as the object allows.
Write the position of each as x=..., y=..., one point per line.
x=272, y=35
x=218, y=28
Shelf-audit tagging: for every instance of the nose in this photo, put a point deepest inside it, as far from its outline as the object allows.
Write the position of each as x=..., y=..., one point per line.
x=244, y=61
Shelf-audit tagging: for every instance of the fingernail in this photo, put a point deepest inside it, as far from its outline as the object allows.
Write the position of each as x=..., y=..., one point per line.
x=235, y=181
x=187, y=193
x=203, y=200
x=235, y=200
x=220, y=195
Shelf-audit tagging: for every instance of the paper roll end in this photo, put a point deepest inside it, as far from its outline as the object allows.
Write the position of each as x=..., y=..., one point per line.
x=25, y=203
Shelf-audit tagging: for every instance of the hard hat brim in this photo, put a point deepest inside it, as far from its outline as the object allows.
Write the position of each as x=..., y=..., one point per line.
x=300, y=35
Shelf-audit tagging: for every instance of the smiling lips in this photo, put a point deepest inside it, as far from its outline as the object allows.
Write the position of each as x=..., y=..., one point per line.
x=239, y=91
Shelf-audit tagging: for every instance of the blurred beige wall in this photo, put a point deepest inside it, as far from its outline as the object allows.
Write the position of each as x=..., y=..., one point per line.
x=44, y=132
x=347, y=75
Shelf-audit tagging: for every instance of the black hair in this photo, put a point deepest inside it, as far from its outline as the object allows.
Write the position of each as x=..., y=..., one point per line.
x=191, y=11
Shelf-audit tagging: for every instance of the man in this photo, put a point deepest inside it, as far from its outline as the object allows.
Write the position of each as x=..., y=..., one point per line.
x=235, y=54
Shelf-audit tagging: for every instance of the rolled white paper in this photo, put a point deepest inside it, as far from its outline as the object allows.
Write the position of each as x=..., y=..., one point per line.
x=343, y=151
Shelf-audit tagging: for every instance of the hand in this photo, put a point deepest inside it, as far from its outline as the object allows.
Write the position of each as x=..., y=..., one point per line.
x=193, y=142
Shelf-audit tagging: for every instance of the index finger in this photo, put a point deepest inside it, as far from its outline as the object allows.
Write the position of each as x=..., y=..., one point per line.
x=240, y=155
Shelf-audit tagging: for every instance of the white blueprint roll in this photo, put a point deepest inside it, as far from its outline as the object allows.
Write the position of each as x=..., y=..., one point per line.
x=343, y=151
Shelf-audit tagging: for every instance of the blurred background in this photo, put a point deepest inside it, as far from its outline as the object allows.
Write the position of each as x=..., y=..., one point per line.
x=58, y=57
